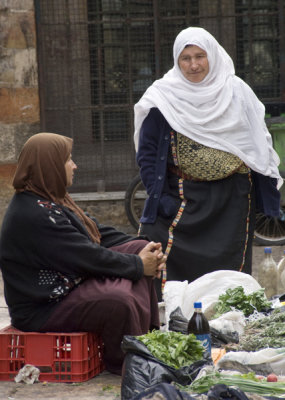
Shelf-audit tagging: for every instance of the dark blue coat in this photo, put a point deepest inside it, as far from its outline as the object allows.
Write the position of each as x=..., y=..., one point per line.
x=152, y=160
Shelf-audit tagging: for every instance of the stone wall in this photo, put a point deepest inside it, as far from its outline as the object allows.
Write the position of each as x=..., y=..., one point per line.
x=109, y=212
x=19, y=98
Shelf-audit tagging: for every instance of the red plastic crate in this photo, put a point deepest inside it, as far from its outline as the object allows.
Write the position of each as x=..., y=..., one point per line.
x=60, y=357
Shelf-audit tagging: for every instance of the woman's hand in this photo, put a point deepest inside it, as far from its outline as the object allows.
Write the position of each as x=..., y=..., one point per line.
x=153, y=259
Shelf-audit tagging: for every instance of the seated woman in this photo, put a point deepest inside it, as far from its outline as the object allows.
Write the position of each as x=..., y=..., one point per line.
x=62, y=271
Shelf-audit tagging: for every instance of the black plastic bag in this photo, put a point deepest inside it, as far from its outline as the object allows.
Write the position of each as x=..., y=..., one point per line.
x=141, y=369
x=218, y=339
x=221, y=391
x=177, y=321
x=164, y=391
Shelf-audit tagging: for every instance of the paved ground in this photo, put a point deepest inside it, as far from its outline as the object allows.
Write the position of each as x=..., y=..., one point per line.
x=105, y=386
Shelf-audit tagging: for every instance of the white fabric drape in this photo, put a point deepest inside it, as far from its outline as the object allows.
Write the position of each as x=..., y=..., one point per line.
x=221, y=111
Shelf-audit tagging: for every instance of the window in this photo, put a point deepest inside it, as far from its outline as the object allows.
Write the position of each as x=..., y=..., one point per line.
x=97, y=57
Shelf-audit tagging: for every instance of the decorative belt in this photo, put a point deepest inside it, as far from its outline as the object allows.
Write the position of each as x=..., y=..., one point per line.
x=175, y=170
x=242, y=169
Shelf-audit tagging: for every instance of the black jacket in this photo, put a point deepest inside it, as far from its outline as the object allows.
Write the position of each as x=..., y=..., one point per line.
x=151, y=157
x=45, y=252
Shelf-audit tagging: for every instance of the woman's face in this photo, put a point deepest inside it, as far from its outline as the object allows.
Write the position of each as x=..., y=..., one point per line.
x=193, y=62
x=70, y=167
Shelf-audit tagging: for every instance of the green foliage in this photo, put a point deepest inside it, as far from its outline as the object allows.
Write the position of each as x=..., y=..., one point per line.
x=173, y=348
x=247, y=382
x=238, y=300
x=268, y=331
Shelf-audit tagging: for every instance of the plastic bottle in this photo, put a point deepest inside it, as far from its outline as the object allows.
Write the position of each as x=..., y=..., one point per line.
x=281, y=275
x=267, y=274
x=199, y=325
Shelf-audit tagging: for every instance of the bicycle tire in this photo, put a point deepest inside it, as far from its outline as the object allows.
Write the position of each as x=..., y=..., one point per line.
x=269, y=231
x=134, y=201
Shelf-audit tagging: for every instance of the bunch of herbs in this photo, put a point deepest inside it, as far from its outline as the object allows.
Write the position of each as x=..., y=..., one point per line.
x=173, y=348
x=236, y=299
x=268, y=331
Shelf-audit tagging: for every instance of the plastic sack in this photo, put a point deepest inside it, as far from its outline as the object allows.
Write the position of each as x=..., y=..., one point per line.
x=164, y=391
x=177, y=321
x=219, y=339
x=141, y=369
x=262, y=362
x=232, y=321
x=206, y=289
x=173, y=296
x=28, y=374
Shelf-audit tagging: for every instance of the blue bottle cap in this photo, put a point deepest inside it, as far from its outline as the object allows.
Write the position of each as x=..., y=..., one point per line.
x=198, y=304
x=267, y=250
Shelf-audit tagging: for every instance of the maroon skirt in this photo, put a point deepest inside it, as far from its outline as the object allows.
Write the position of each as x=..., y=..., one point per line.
x=110, y=307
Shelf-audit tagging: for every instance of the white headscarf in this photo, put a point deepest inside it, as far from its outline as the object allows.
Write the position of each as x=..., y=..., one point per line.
x=221, y=111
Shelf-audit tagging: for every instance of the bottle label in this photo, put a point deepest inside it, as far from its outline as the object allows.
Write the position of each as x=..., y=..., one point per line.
x=206, y=341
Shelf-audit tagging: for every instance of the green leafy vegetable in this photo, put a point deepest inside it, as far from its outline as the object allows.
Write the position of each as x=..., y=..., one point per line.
x=237, y=299
x=247, y=382
x=173, y=348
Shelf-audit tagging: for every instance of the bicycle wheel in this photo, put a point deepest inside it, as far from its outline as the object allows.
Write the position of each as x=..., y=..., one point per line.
x=134, y=201
x=269, y=231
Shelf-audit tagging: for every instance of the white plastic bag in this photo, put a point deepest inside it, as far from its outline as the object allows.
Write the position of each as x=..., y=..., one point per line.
x=28, y=374
x=206, y=289
x=232, y=321
x=263, y=362
x=173, y=296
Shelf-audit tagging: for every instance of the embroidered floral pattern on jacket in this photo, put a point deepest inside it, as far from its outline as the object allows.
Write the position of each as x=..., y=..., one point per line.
x=62, y=284
x=50, y=205
x=52, y=209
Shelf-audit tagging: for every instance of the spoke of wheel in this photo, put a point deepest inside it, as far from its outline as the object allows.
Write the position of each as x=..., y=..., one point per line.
x=269, y=227
x=262, y=224
x=278, y=230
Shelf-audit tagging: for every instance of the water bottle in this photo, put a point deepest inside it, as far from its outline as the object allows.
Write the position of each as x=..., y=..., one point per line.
x=199, y=326
x=281, y=275
x=267, y=274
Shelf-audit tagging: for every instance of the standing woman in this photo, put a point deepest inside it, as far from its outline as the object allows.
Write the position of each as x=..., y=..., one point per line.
x=206, y=160
x=64, y=272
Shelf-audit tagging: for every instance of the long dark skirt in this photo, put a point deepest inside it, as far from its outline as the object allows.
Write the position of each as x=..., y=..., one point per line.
x=215, y=230
x=110, y=307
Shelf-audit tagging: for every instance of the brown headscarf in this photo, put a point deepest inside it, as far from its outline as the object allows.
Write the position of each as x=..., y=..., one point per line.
x=41, y=170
